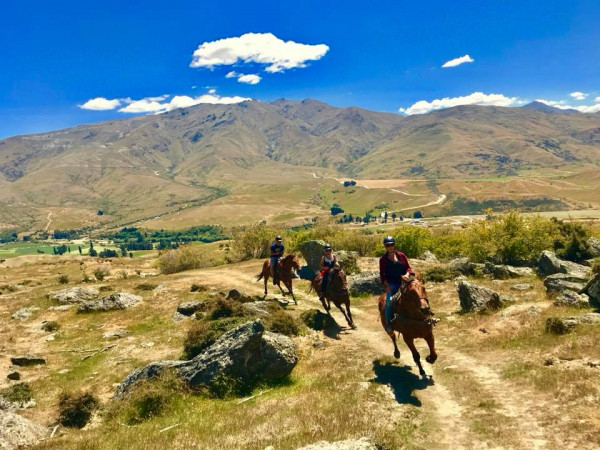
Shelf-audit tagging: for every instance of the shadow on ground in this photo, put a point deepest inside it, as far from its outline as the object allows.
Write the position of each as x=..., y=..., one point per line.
x=402, y=381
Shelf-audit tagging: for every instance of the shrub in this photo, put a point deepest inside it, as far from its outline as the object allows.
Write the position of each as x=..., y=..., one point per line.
x=204, y=334
x=86, y=278
x=281, y=322
x=556, y=325
x=146, y=287
x=186, y=257
x=573, y=241
x=439, y=274
x=198, y=288
x=315, y=319
x=253, y=241
x=123, y=274
x=75, y=409
x=63, y=279
x=226, y=308
x=50, y=326
x=224, y=386
x=412, y=241
x=18, y=393
x=101, y=273
x=107, y=253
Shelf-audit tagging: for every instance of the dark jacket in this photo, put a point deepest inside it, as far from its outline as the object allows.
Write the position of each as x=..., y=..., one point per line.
x=383, y=263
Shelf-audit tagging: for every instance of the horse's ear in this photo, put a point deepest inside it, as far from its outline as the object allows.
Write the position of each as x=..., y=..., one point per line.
x=420, y=277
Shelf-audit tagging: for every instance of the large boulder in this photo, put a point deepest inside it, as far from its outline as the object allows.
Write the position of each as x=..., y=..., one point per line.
x=594, y=246
x=312, y=252
x=246, y=352
x=504, y=272
x=571, y=298
x=75, y=295
x=592, y=289
x=120, y=300
x=24, y=313
x=549, y=264
x=367, y=282
x=428, y=256
x=560, y=282
x=477, y=298
x=462, y=265
x=189, y=308
x=17, y=432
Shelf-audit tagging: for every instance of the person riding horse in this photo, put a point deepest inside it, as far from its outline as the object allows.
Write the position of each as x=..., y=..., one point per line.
x=393, y=265
x=328, y=261
x=277, y=250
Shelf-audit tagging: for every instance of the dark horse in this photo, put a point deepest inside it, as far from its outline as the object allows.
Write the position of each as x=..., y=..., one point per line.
x=336, y=292
x=284, y=273
x=414, y=319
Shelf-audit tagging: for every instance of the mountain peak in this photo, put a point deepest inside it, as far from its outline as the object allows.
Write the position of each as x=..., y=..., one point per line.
x=539, y=106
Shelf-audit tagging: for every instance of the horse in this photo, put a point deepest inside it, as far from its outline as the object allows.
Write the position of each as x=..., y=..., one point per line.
x=336, y=292
x=414, y=319
x=284, y=273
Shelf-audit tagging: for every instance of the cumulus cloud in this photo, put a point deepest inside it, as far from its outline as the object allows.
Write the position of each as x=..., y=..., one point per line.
x=212, y=91
x=101, y=104
x=231, y=74
x=249, y=79
x=259, y=48
x=458, y=61
x=578, y=95
x=581, y=108
x=476, y=98
x=151, y=105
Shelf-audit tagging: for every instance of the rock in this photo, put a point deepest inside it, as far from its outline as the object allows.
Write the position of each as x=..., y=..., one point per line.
x=428, y=256
x=350, y=444
x=121, y=300
x=17, y=432
x=312, y=252
x=27, y=360
x=521, y=287
x=477, y=298
x=189, y=308
x=24, y=313
x=462, y=265
x=15, y=376
x=534, y=310
x=549, y=264
x=258, y=309
x=504, y=272
x=238, y=296
x=60, y=308
x=245, y=352
x=594, y=246
x=560, y=282
x=593, y=290
x=348, y=260
x=178, y=317
x=75, y=295
x=367, y=282
x=570, y=298
x=116, y=334
x=305, y=273
x=148, y=344
x=563, y=325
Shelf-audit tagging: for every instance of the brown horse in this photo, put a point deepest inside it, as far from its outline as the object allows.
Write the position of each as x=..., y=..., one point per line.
x=284, y=273
x=336, y=292
x=414, y=319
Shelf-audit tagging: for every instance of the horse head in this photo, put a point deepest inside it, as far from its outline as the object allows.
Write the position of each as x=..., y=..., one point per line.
x=337, y=279
x=413, y=301
x=290, y=262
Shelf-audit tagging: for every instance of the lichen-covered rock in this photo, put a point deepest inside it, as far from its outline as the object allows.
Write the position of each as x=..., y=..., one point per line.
x=462, y=265
x=17, y=432
x=189, y=308
x=563, y=325
x=505, y=272
x=117, y=301
x=594, y=246
x=560, y=282
x=239, y=296
x=428, y=256
x=367, y=282
x=571, y=298
x=75, y=295
x=477, y=298
x=549, y=264
x=593, y=290
x=24, y=313
x=312, y=251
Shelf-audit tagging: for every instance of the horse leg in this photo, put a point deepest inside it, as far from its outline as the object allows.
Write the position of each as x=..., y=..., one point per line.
x=288, y=284
x=266, y=274
x=344, y=314
x=432, y=354
x=410, y=342
x=351, y=321
x=392, y=336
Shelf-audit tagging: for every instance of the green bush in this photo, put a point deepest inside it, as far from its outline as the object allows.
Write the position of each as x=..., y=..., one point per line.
x=63, y=279
x=253, y=241
x=204, y=334
x=101, y=273
x=186, y=257
x=315, y=319
x=198, y=288
x=17, y=393
x=146, y=286
x=412, y=241
x=226, y=308
x=76, y=409
x=439, y=274
x=573, y=241
x=281, y=322
x=50, y=326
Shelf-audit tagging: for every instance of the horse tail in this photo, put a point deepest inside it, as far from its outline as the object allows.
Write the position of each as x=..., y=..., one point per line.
x=260, y=275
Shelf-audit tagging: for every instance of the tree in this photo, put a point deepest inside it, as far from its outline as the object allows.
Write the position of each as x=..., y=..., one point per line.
x=100, y=212
x=394, y=215
x=417, y=214
x=123, y=251
x=107, y=253
x=131, y=254
x=336, y=209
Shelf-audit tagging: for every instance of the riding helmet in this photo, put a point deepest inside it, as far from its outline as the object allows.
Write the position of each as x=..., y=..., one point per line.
x=389, y=240
x=278, y=238
x=327, y=247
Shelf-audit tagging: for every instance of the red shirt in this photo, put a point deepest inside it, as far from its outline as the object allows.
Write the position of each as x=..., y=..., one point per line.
x=383, y=262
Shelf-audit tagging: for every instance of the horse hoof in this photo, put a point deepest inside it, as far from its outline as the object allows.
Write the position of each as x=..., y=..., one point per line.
x=396, y=354
x=353, y=326
x=430, y=358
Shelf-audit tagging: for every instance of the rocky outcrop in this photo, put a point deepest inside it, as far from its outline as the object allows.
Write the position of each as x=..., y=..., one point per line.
x=246, y=352
x=462, y=265
x=189, y=308
x=27, y=360
x=428, y=256
x=239, y=296
x=367, y=282
x=560, y=282
x=594, y=246
x=570, y=298
x=593, y=290
x=312, y=251
x=17, y=432
x=350, y=444
x=117, y=301
x=477, y=298
x=75, y=295
x=24, y=313
x=258, y=309
x=505, y=272
x=563, y=325
x=549, y=264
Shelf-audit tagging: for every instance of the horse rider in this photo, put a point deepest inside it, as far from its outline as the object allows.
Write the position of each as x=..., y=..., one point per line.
x=328, y=261
x=277, y=249
x=393, y=265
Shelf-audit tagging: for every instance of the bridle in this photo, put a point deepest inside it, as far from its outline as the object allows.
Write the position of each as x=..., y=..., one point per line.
x=426, y=311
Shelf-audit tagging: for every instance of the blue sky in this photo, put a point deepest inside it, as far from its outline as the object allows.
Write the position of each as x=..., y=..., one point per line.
x=55, y=56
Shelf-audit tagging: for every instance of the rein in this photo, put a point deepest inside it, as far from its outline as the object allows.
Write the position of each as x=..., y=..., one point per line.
x=427, y=320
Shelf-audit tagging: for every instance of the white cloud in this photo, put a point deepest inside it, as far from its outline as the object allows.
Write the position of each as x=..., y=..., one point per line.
x=212, y=91
x=249, y=79
x=101, y=104
x=581, y=108
x=476, y=98
x=231, y=74
x=578, y=95
x=458, y=61
x=260, y=48
x=597, y=99
x=151, y=105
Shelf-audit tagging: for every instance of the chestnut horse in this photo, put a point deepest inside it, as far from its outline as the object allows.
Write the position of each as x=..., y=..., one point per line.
x=284, y=273
x=336, y=292
x=414, y=319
